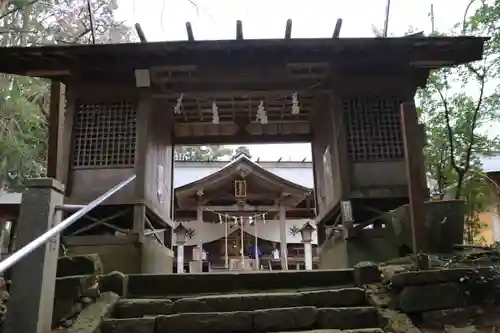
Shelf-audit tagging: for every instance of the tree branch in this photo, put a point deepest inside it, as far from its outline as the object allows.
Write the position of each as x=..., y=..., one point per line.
x=473, y=126
x=464, y=22
x=449, y=130
x=15, y=10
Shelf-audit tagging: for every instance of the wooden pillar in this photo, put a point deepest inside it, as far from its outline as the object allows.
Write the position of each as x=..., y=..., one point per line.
x=414, y=170
x=139, y=215
x=55, y=161
x=199, y=220
x=144, y=109
x=283, y=244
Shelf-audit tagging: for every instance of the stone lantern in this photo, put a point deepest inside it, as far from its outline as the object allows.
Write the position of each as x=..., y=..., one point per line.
x=306, y=232
x=180, y=236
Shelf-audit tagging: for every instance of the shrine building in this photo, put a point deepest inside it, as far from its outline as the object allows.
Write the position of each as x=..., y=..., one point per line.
x=276, y=201
x=117, y=111
x=273, y=200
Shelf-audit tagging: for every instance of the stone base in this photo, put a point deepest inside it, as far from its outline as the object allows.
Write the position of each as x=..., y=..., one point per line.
x=123, y=253
x=367, y=245
x=444, y=221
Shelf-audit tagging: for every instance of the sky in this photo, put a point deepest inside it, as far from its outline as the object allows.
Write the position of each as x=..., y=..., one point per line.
x=216, y=19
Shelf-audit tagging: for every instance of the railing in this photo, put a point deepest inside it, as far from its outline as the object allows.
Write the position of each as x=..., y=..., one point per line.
x=56, y=230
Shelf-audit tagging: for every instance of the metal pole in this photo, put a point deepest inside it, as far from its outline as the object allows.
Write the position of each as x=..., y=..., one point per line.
x=180, y=258
x=140, y=33
x=386, y=22
x=91, y=21
x=256, y=250
x=308, y=256
x=432, y=18
x=45, y=237
x=226, y=264
x=242, y=244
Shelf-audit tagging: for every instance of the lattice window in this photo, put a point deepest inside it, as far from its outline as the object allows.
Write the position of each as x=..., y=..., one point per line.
x=373, y=129
x=104, y=134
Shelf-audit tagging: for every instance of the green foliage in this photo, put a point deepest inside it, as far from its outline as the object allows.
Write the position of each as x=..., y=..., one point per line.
x=457, y=107
x=23, y=135
x=242, y=150
x=201, y=153
x=23, y=100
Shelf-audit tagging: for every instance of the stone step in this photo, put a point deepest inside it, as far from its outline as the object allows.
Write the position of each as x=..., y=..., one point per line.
x=135, y=308
x=263, y=320
x=334, y=330
x=151, y=285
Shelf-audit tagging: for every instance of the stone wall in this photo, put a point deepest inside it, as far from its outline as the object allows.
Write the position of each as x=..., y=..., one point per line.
x=367, y=245
x=124, y=254
x=437, y=298
x=156, y=258
x=444, y=222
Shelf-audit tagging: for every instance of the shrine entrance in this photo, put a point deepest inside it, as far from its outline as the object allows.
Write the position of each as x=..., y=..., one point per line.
x=235, y=244
x=118, y=110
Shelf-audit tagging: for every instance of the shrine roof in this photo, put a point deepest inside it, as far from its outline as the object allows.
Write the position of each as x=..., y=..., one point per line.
x=234, y=166
x=298, y=172
x=426, y=52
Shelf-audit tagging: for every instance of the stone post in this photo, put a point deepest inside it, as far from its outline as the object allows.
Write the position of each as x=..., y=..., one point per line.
x=180, y=258
x=34, y=278
x=308, y=259
x=283, y=243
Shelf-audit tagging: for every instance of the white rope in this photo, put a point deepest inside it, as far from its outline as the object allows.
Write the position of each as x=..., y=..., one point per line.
x=177, y=107
x=261, y=113
x=215, y=113
x=295, y=104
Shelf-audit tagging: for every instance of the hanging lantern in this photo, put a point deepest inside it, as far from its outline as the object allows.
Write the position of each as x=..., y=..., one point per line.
x=240, y=188
x=306, y=232
x=181, y=233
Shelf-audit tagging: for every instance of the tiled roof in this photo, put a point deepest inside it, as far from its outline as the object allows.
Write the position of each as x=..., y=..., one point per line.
x=300, y=173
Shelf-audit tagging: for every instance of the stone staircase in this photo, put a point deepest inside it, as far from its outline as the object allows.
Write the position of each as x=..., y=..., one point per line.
x=344, y=308
x=279, y=301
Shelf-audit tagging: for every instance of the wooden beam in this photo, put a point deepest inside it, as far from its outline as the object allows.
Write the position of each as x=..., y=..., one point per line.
x=414, y=161
x=243, y=139
x=55, y=167
x=249, y=208
x=239, y=30
x=242, y=123
x=237, y=72
x=140, y=33
x=189, y=30
x=232, y=93
x=288, y=29
x=237, y=208
x=48, y=73
x=250, y=196
x=338, y=26
x=263, y=85
x=353, y=51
